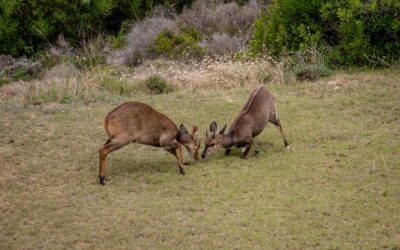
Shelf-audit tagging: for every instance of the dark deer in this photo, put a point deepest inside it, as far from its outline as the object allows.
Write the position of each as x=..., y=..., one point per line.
x=138, y=122
x=254, y=116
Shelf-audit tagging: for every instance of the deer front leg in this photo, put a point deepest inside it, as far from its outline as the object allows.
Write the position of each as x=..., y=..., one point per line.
x=227, y=151
x=180, y=159
x=177, y=152
x=246, y=147
x=172, y=145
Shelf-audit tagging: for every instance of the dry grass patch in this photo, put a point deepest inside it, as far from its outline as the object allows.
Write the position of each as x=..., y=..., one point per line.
x=215, y=73
x=66, y=83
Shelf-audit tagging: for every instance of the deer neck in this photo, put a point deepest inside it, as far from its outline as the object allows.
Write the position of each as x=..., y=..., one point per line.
x=182, y=138
x=227, y=141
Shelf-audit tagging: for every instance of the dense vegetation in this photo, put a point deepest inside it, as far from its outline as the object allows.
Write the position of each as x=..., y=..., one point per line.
x=350, y=32
x=28, y=26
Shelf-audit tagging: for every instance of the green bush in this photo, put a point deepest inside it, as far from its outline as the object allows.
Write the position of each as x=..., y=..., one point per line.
x=4, y=81
x=157, y=85
x=90, y=55
x=355, y=32
x=118, y=41
x=21, y=69
x=28, y=26
x=184, y=45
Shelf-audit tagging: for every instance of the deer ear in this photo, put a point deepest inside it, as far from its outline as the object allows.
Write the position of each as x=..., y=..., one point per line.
x=194, y=130
x=222, y=131
x=183, y=129
x=206, y=133
x=213, y=126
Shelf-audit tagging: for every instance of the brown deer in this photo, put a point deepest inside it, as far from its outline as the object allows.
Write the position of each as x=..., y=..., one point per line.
x=254, y=116
x=138, y=122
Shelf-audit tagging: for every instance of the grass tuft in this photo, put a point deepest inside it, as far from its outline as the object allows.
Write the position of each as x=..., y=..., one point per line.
x=157, y=85
x=311, y=72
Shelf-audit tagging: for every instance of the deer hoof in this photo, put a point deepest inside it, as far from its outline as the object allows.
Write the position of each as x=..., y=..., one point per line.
x=182, y=171
x=102, y=180
x=286, y=144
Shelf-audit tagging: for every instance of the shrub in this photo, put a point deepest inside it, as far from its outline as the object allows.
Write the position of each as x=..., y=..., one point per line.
x=311, y=72
x=210, y=16
x=4, y=81
x=184, y=45
x=119, y=40
x=20, y=69
x=157, y=85
x=224, y=44
x=225, y=27
x=143, y=33
x=359, y=32
x=91, y=54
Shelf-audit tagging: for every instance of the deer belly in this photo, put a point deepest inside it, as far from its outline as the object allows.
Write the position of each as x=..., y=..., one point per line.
x=258, y=128
x=149, y=140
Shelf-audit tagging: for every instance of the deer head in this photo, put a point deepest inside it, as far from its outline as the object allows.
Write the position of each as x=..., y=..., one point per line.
x=190, y=141
x=213, y=141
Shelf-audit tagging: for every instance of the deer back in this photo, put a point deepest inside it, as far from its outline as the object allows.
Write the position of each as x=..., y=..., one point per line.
x=139, y=122
x=255, y=114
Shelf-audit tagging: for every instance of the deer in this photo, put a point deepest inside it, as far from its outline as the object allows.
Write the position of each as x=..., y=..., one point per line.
x=136, y=122
x=259, y=109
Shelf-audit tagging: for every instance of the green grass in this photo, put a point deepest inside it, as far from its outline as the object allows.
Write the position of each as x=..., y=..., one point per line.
x=337, y=187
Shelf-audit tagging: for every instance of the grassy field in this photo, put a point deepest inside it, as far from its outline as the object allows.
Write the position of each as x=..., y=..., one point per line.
x=337, y=187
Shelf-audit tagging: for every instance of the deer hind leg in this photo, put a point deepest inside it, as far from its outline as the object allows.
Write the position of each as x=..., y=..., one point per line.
x=112, y=144
x=228, y=151
x=277, y=123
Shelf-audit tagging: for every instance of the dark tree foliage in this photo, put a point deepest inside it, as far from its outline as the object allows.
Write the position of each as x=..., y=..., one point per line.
x=28, y=26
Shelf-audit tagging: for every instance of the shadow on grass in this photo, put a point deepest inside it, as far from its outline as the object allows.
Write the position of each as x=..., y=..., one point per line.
x=129, y=165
